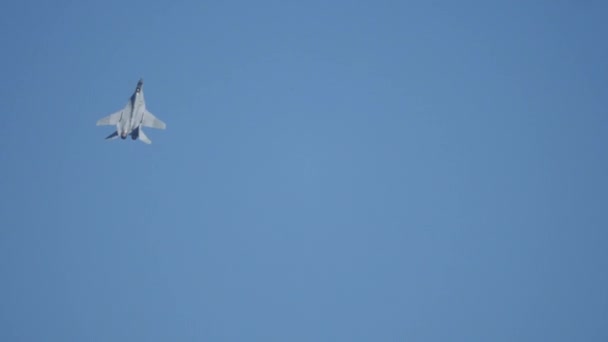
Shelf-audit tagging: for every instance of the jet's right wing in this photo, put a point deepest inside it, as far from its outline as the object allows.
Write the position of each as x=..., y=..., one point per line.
x=111, y=119
x=150, y=120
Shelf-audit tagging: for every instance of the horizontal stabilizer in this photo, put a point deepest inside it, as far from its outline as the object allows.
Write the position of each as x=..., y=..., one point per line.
x=112, y=136
x=143, y=137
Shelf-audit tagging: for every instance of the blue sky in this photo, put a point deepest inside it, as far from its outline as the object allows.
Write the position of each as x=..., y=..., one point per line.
x=331, y=171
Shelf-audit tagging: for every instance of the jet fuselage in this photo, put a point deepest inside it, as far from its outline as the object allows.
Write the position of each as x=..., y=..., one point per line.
x=129, y=124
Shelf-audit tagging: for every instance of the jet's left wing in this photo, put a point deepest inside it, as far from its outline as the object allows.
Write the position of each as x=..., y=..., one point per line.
x=110, y=119
x=150, y=120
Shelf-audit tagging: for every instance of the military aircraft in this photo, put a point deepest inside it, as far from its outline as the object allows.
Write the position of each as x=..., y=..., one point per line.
x=131, y=119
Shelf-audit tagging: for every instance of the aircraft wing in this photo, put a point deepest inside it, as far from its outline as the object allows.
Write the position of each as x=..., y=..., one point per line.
x=111, y=119
x=150, y=120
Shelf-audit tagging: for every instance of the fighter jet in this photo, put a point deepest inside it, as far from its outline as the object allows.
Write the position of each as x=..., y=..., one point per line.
x=131, y=119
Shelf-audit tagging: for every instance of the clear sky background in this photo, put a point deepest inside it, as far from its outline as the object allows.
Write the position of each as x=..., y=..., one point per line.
x=331, y=171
